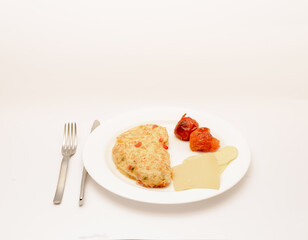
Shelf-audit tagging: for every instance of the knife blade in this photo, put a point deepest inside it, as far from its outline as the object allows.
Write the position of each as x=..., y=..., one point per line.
x=96, y=123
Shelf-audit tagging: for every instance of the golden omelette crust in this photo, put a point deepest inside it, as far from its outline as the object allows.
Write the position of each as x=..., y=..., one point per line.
x=141, y=154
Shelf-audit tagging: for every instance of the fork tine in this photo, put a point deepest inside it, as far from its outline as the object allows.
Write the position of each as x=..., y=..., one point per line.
x=72, y=135
x=68, y=136
x=75, y=136
x=64, y=136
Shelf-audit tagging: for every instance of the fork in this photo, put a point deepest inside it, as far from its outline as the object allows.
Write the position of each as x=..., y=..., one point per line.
x=69, y=146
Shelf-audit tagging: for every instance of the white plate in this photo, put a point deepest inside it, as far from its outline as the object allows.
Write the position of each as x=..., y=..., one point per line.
x=97, y=155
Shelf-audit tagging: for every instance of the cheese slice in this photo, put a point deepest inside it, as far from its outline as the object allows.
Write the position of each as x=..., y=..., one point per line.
x=223, y=167
x=198, y=173
x=203, y=170
x=224, y=156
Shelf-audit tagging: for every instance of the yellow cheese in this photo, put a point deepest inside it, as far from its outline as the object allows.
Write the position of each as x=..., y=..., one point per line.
x=224, y=156
x=199, y=173
x=222, y=167
x=203, y=170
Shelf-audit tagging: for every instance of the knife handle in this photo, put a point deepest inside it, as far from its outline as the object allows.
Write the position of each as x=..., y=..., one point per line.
x=83, y=180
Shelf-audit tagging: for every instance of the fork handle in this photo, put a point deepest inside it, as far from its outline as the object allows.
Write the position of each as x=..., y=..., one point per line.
x=61, y=181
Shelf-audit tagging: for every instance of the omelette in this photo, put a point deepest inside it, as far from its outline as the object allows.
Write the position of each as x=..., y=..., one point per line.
x=141, y=154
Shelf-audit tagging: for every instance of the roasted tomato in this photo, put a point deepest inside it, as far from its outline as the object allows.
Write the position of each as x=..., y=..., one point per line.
x=202, y=140
x=185, y=127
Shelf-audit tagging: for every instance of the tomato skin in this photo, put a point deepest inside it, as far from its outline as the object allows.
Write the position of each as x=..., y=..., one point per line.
x=165, y=147
x=201, y=140
x=185, y=127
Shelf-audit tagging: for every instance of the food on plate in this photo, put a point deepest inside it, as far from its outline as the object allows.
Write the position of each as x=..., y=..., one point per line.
x=224, y=156
x=141, y=154
x=203, y=170
x=197, y=173
x=185, y=127
x=202, y=140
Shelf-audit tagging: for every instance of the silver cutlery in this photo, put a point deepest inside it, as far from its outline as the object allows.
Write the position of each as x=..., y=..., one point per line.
x=69, y=146
x=84, y=171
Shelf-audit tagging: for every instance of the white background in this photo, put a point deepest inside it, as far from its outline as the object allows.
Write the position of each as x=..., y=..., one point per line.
x=245, y=61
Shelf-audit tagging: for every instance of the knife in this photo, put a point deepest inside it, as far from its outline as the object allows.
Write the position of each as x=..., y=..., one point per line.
x=84, y=171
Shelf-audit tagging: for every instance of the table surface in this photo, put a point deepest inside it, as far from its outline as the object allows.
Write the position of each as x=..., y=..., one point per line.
x=79, y=61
